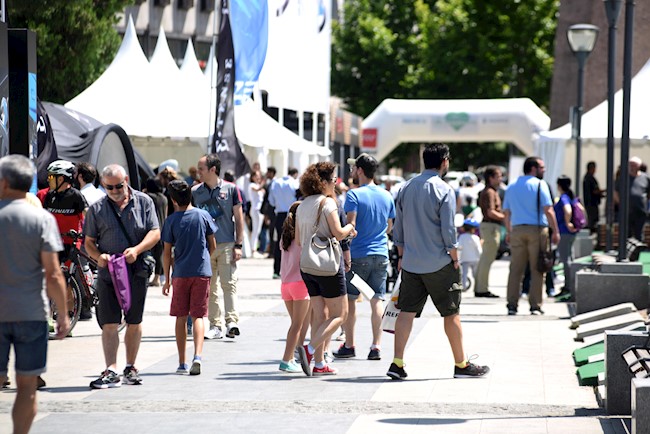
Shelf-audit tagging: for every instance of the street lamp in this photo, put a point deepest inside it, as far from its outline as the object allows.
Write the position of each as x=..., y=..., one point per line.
x=613, y=10
x=582, y=38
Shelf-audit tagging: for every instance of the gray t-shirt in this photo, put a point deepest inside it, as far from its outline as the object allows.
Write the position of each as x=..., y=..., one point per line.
x=219, y=203
x=25, y=231
x=308, y=213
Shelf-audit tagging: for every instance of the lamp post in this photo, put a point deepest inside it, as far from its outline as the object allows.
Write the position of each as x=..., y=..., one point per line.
x=582, y=38
x=624, y=187
x=613, y=10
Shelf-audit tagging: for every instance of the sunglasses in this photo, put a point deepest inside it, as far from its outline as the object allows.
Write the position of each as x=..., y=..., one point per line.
x=116, y=186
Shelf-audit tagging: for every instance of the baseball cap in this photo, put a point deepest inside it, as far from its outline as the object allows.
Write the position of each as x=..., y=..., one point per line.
x=367, y=162
x=471, y=222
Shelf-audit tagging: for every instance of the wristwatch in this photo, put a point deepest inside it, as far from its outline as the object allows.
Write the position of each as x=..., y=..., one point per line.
x=238, y=246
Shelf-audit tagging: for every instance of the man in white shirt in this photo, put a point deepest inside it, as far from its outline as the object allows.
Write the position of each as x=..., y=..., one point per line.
x=281, y=196
x=86, y=174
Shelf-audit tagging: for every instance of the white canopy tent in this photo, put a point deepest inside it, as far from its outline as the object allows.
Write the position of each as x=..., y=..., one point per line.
x=155, y=100
x=557, y=148
x=516, y=120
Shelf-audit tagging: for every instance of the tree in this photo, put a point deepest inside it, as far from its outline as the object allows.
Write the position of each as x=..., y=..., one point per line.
x=75, y=40
x=442, y=49
x=375, y=53
x=480, y=49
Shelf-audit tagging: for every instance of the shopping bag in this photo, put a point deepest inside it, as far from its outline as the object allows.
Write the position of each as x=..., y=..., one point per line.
x=392, y=311
x=362, y=286
x=119, y=271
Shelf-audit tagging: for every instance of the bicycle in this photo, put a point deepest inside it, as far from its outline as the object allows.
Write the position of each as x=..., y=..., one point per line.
x=81, y=280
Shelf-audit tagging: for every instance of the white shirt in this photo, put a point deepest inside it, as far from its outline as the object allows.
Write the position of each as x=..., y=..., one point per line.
x=256, y=197
x=469, y=246
x=92, y=194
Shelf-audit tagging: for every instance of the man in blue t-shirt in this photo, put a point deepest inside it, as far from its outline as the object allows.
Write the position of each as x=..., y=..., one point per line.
x=191, y=232
x=370, y=209
x=528, y=210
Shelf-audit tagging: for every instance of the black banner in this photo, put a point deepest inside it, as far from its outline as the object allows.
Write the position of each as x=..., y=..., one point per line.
x=224, y=139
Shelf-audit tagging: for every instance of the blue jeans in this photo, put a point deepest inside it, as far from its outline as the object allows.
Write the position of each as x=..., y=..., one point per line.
x=374, y=270
x=29, y=339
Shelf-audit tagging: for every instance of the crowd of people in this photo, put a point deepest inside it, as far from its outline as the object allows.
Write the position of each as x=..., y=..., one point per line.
x=189, y=234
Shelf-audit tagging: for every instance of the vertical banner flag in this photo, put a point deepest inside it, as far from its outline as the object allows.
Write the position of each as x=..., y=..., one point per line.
x=224, y=139
x=250, y=32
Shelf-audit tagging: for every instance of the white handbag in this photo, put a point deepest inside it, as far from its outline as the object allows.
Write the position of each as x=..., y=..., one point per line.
x=322, y=256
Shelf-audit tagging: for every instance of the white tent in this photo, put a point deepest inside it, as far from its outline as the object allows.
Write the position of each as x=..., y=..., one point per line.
x=516, y=120
x=558, y=149
x=157, y=100
x=118, y=95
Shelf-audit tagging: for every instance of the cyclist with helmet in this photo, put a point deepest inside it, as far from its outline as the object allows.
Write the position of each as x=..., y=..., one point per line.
x=65, y=202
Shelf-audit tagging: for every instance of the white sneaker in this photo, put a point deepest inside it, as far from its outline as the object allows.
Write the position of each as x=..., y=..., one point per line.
x=232, y=330
x=214, y=333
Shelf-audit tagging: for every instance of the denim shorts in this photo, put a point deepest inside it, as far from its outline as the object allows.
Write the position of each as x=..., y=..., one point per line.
x=374, y=270
x=29, y=339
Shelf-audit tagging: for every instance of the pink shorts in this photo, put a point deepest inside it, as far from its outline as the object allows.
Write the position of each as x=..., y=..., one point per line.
x=190, y=296
x=294, y=291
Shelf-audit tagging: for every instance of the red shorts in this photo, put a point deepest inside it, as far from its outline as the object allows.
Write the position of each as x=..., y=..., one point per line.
x=294, y=291
x=190, y=296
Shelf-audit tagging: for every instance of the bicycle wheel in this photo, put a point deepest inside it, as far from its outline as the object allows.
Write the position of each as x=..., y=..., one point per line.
x=73, y=306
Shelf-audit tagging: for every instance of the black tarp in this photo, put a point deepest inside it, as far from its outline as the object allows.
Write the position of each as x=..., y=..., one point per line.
x=80, y=138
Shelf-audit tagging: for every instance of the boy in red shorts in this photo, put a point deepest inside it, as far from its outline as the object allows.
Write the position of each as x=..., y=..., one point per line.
x=190, y=231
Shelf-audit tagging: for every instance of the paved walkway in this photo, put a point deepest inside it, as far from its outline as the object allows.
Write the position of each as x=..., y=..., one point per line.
x=532, y=387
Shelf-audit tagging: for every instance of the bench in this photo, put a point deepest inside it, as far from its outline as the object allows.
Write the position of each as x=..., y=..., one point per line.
x=601, y=242
x=633, y=250
x=637, y=358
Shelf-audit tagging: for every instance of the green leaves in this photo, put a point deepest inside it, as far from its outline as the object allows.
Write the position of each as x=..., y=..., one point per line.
x=442, y=49
x=75, y=41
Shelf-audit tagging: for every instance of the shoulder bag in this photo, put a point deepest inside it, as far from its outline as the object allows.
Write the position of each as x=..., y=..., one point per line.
x=148, y=262
x=322, y=256
x=545, y=258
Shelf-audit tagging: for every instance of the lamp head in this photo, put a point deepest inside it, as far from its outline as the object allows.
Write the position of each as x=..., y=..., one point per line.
x=582, y=37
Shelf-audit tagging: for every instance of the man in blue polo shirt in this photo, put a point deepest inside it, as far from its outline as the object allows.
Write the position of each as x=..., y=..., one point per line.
x=370, y=208
x=528, y=209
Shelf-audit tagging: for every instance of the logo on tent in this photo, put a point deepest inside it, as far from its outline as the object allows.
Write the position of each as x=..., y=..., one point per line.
x=457, y=120
x=369, y=138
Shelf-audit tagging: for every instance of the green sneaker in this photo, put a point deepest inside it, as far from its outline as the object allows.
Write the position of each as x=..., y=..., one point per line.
x=291, y=367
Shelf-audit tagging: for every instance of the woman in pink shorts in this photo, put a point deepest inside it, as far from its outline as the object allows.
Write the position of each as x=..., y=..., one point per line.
x=294, y=290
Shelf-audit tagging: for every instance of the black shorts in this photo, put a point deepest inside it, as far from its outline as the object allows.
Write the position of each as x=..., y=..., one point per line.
x=443, y=286
x=326, y=286
x=109, y=311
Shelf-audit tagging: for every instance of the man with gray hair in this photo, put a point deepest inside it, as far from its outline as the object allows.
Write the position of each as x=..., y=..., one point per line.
x=30, y=244
x=124, y=222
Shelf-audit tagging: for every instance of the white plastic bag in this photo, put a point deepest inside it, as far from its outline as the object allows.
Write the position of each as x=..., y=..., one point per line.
x=392, y=311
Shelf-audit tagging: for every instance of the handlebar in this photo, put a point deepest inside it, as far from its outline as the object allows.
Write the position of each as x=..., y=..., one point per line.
x=73, y=234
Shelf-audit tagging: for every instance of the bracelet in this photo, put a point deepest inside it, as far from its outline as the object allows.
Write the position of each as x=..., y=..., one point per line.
x=399, y=257
x=238, y=246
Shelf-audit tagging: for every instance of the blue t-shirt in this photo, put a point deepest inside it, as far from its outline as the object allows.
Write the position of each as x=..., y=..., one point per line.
x=188, y=231
x=374, y=206
x=521, y=201
x=559, y=213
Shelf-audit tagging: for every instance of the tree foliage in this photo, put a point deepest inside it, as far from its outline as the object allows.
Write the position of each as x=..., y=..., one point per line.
x=442, y=49
x=75, y=41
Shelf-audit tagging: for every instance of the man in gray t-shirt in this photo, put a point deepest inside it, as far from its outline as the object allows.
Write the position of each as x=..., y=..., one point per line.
x=223, y=202
x=31, y=243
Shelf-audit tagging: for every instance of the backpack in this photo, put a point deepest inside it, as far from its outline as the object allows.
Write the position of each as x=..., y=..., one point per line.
x=577, y=215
